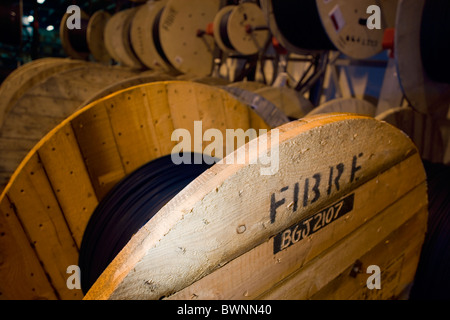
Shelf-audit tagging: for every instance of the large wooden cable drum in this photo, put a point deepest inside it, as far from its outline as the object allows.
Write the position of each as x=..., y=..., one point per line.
x=88, y=40
x=425, y=93
x=234, y=233
x=317, y=25
x=117, y=38
x=144, y=35
x=178, y=26
x=48, y=202
x=240, y=29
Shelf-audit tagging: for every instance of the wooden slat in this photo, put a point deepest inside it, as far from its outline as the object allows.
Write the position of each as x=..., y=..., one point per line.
x=70, y=180
x=21, y=274
x=254, y=272
x=397, y=256
x=158, y=105
x=41, y=216
x=136, y=137
x=98, y=146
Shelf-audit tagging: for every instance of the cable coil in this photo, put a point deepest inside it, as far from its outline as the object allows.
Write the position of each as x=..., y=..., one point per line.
x=127, y=207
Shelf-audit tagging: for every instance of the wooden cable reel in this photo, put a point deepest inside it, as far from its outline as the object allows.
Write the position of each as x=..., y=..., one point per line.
x=425, y=94
x=267, y=240
x=316, y=25
x=144, y=36
x=241, y=29
x=51, y=196
x=45, y=95
x=79, y=44
x=117, y=38
x=178, y=26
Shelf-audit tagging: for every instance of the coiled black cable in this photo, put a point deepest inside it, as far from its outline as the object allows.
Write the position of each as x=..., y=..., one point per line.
x=127, y=207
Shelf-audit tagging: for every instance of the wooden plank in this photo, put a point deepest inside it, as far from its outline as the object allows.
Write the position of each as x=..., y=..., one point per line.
x=301, y=285
x=21, y=274
x=152, y=264
x=136, y=137
x=46, y=106
x=97, y=143
x=41, y=216
x=256, y=271
x=158, y=105
x=67, y=173
x=397, y=256
x=28, y=76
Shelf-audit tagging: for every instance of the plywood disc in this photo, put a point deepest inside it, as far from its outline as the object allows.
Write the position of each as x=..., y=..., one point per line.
x=96, y=36
x=178, y=27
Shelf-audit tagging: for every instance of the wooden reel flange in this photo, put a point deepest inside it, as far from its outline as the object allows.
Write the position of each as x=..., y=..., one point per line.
x=79, y=44
x=423, y=93
x=315, y=25
x=117, y=38
x=46, y=205
x=47, y=93
x=178, y=31
x=235, y=233
x=345, y=22
x=145, y=38
x=241, y=29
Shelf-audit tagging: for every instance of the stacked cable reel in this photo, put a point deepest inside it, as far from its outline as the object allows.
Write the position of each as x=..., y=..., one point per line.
x=39, y=95
x=229, y=223
x=88, y=40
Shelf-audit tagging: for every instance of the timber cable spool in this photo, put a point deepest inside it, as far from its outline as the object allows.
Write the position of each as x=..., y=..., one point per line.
x=88, y=40
x=127, y=207
x=241, y=236
x=40, y=95
x=47, y=204
x=144, y=36
x=315, y=25
x=117, y=38
x=420, y=54
x=241, y=29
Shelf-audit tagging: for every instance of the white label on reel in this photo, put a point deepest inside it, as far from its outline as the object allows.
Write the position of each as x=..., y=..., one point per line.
x=337, y=18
